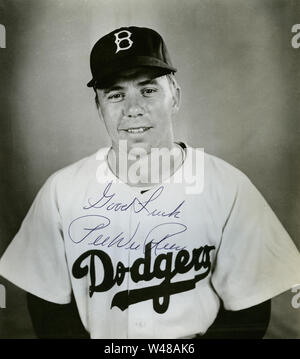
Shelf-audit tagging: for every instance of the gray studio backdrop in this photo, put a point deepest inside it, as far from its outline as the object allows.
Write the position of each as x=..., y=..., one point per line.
x=240, y=80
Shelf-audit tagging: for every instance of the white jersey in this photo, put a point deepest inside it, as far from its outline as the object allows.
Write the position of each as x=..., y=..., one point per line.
x=151, y=264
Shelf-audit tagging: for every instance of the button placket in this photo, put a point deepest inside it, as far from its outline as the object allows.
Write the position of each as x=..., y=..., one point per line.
x=137, y=325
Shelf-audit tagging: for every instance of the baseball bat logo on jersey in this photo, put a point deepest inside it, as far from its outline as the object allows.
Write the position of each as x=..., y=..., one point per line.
x=164, y=267
x=124, y=41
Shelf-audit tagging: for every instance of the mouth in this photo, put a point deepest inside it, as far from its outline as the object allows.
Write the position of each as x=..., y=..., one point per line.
x=137, y=130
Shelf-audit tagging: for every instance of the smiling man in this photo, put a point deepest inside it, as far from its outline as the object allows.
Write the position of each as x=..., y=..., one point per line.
x=118, y=245
x=137, y=107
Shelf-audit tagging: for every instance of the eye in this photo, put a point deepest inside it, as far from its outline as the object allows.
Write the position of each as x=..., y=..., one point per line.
x=149, y=91
x=115, y=96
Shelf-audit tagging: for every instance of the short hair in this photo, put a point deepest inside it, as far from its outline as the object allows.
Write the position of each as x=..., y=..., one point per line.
x=96, y=97
x=173, y=82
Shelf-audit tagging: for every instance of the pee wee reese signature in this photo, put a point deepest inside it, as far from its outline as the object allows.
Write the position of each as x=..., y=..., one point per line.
x=97, y=229
x=93, y=229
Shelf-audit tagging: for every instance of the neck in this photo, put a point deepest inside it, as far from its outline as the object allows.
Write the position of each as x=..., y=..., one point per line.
x=145, y=170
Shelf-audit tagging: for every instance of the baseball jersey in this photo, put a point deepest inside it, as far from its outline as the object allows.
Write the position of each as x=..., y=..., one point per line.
x=155, y=263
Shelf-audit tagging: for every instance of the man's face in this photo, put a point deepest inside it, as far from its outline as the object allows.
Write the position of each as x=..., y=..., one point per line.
x=139, y=108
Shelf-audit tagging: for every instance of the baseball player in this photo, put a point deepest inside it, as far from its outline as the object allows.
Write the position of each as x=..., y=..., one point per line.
x=145, y=246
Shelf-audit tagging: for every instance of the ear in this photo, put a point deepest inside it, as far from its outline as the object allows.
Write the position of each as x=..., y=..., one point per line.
x=97, y=102
x=99, y=112
x=176, y=99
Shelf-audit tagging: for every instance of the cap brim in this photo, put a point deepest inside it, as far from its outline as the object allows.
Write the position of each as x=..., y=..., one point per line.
x=91, y=83
x=129, y=63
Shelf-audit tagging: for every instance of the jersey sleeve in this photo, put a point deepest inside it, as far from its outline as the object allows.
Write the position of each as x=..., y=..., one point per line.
x=256, y=259
x=35, y=259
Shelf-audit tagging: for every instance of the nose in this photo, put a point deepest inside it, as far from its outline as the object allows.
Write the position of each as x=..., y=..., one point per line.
x=134, y=107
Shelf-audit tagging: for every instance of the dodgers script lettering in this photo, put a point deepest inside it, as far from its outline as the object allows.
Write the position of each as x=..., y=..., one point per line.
x=164, y=267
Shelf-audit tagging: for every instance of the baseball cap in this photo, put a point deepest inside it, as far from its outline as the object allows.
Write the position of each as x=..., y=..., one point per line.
x=126, y=48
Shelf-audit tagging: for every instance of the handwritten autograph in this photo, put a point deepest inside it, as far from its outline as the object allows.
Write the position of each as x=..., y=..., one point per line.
x=106, y=202
x=89, y=229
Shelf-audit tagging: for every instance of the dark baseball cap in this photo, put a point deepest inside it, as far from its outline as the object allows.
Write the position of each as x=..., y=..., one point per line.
x=126, y=48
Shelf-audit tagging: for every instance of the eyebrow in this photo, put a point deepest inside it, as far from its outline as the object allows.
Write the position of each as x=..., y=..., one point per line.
x=141, y=83
x=148, y=82
x=113, y=88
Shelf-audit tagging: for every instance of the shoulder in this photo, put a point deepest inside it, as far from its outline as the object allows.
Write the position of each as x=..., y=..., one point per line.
x=223, y=183
x=215, y=169
x=226, y=179
x=77, y=173
x=223, y=171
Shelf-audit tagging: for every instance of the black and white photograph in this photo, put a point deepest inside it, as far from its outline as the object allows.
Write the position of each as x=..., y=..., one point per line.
x=150, y=173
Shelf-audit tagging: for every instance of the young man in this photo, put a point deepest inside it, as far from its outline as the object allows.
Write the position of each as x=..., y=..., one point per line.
x=148, y=238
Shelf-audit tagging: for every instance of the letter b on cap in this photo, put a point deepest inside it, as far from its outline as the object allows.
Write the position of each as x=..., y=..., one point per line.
x=2, y=36
x=123, y=40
